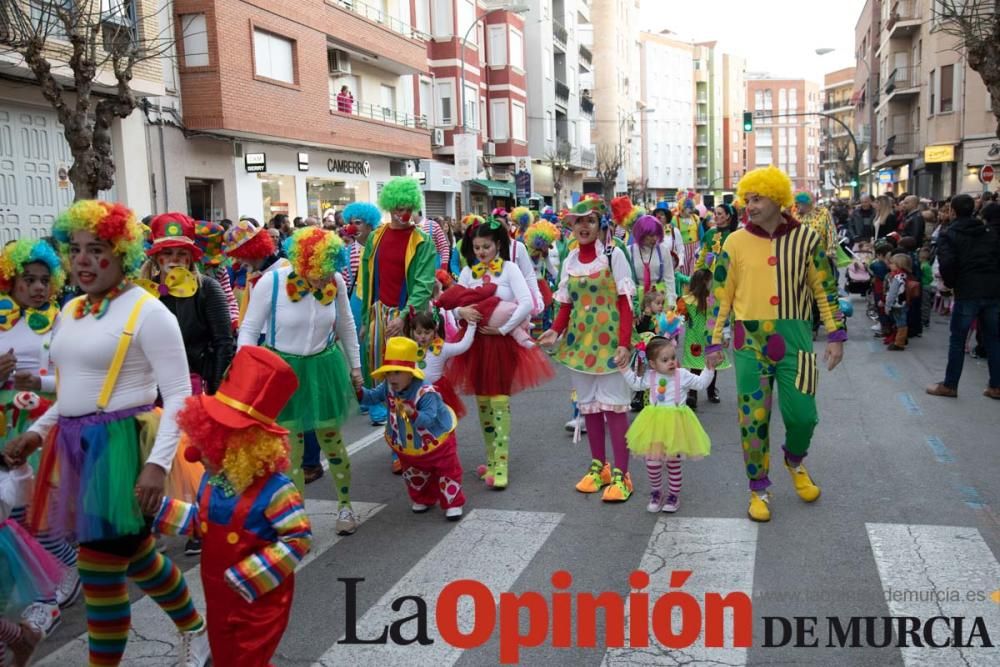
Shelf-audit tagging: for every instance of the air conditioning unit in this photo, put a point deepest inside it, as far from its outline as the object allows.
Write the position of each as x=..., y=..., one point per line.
x=437, y=137
x=338, y=62
x=489, y=149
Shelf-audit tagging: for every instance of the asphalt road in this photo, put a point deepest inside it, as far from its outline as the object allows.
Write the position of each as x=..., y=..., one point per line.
x=907, y=526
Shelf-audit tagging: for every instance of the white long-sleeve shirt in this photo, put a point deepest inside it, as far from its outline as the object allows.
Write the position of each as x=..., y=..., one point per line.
x=82, y=351
x=434, y=363
x=31, y=350
x=511, y=286
x=523, y=261
x=15, y=489
x=675, y=244
x=641, y=256
x=302, y=327
x=672, y=395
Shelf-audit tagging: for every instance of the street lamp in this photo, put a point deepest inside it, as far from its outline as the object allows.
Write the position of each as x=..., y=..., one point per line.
x=514, y=9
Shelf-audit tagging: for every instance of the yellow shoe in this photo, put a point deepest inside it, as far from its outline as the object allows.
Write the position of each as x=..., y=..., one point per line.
x=620, y=488
x=804, y=486
x=759, y=511
x=596, y=478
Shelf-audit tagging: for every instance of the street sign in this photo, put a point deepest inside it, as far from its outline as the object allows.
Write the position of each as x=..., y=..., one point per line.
x=986, y=174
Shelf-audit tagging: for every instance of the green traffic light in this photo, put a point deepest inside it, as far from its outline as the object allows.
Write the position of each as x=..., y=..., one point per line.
x=854, y=182
x=747, y=121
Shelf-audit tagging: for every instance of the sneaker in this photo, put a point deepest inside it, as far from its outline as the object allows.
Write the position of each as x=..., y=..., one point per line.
x=419, y=508
x=620, y=488
x=193, y=650
x=453, y=513
x=192, y=547
x=22, y=649
x=672, y=503
x=713, y=396
x=571, y=424
x=377, y=422
x=877, y=328
x=655, y=502
x=68, y=589
x=347, y=522
x=597, y=477
x=44, y=618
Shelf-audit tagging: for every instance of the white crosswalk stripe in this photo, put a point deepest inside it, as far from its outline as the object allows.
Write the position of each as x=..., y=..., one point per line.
x=156, y=645
x=929, y=571
x=489, y=546
x=720, y=553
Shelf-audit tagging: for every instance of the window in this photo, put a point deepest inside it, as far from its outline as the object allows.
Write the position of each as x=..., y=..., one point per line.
x=763, y=156
x=758, y=99
x=426, y=111
x=273, y=57
x=517, y=51
x=782, y=101
x=466, y=19
x=793, y=100
x=444, y=91
x=763, y=137
x=548, y=126
x=499, y=122
x=441, y=18
x=517, y=122
x=947, y=88
x=423, y=15
x=497, y=45
x=195, y=40
x=471, y=107
x=388, y=96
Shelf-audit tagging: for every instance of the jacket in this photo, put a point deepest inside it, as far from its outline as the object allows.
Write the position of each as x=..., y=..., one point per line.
x=861, y=223
x=207, y=330
x=969, y=259
x=420, y=264
x=914, y=226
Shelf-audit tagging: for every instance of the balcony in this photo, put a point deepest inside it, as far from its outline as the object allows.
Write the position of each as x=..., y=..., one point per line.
x=559, y=33
x=702, y=98
x=701, y=163
x=381, y=17
x=584, y=158
x=376, y=112
x=836, y=106
x=701, y=119
x=701, y=141
x=904, y=19
x=902, y=85
x=562, y=91
x=586, y=57
x=587, y=106
x=899, y=148
x=702, y=183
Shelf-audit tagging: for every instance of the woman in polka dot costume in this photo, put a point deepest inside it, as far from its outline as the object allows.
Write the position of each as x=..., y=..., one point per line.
x=595, y=314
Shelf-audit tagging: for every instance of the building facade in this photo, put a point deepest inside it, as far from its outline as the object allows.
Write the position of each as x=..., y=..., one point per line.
x=838, y=148
x=784, y=133
x=734, y=97
x=708, y=130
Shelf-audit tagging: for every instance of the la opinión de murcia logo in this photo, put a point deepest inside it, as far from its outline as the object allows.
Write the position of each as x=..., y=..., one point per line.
x=565, y=619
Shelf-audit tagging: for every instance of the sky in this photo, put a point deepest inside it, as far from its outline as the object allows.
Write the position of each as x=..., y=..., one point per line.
x=779, y=37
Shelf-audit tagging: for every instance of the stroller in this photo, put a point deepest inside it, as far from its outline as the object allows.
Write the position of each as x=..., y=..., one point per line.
x=859, y=281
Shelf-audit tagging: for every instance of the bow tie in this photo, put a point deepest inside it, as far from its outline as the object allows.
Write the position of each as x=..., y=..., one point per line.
x=494, y=267
x=40, y=320
x=179, y=283
x=298, y=287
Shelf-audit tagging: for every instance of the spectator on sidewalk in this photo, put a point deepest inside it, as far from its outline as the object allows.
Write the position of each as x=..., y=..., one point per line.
x=913, y=221
x=861, y=223
x=969, y=260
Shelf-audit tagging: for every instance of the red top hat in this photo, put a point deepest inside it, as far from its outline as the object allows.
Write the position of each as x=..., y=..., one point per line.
x=173, y=230
x=253, y=392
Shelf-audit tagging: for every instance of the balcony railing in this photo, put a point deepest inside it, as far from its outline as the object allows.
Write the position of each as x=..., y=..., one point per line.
x=585, y=55
x=702, y=183
x=701, y=141
x=584, y=157
x=902, y=10
x=345, y=105
x=587, y=106
x=902, y=143
x=559, y=31
x=562, y=90
x=836, y=104
x=701, y=119
x=902, y=78
x=702, y=99
x=379, y=16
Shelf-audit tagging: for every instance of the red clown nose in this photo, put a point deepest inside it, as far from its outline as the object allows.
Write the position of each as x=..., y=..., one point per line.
x=192, y=454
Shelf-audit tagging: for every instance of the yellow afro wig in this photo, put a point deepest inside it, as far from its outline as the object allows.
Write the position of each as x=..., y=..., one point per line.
x=768, y=182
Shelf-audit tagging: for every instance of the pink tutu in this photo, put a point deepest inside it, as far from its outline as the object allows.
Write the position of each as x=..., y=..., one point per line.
x=499, y=366
x=27, y=571
x=450, y=398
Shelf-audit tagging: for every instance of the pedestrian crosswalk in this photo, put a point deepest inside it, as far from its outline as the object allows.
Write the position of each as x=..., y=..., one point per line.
x=925, y=572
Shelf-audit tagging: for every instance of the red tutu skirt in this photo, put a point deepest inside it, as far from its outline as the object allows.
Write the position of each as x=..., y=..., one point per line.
x=448, y=395
x=499, y=366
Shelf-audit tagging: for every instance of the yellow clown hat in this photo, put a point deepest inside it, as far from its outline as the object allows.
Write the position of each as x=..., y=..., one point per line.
x=400, y=355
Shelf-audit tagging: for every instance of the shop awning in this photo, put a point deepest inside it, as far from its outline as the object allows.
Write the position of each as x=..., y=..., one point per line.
x=495, y=188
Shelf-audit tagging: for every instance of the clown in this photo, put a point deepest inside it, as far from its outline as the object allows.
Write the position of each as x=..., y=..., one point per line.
x=250, y=517
x=726, y=222
x=540, y=238
x=208, y=237
x=303, y=307
x=396, y=274
x=671, y=235
x=689, y=224
x=766, y=279
x=253, y=252
x=517, y=223
x=652, y=260
x=116, y=349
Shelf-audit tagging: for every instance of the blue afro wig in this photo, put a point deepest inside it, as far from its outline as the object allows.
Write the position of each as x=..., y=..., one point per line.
x=364, y=212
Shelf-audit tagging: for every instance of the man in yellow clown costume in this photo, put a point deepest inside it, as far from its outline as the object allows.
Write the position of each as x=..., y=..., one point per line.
x=767, y=278
x=397, y=273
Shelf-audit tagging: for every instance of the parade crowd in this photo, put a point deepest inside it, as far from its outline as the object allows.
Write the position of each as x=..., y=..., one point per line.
x=180, y=377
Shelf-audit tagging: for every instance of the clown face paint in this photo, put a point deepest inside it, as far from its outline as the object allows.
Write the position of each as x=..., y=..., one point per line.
x=171, y=258
x=93, y=265
x=32, y=287
x=485, y=248
x=585, y=228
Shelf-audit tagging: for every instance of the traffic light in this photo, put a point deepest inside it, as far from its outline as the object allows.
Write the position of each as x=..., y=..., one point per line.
x=748, y=121
x=854, y=182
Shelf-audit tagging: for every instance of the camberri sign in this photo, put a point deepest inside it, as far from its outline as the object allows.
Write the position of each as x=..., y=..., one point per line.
x=362, y=167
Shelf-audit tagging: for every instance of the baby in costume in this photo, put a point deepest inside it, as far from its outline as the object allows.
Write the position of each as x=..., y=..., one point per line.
x=250, y=517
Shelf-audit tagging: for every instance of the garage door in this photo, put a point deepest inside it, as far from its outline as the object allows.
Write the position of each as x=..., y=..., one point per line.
x=434, y=204
x=32, y=149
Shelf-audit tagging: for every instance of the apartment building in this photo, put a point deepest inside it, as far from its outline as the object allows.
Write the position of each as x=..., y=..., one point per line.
x=782, y=137
x=667, y=76
x=837, y=150
x=734, y=98
x=559, y=38
x=708, y=130
x=865, y=97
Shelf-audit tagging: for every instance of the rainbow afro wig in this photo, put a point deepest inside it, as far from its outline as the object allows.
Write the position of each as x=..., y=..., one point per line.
x=401, y=192
x=114, y=223
x=521, y=217
x=768, y=182
x=645, y=227
x=316, y=254
x=363, y=212
x=472, y=220
x=540, y=235
x=803, y=197
x=624, y=212
x=17, y=255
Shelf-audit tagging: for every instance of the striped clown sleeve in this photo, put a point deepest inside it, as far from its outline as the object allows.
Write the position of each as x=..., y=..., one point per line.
x=823, y=284
x=263, y=571
x=175, y=517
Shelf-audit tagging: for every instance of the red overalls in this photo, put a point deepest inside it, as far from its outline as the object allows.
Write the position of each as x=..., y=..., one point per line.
x=239, y=632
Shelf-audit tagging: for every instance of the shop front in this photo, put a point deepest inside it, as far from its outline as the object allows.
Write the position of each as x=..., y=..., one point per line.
x=975, y=155
x=441, y=187
x=487, y=195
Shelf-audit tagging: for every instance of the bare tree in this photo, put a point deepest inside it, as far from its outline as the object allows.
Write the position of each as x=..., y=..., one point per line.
x=92, y=38
x=976, y=23
x=841, y=152
x=558, y=161
x=609, y=163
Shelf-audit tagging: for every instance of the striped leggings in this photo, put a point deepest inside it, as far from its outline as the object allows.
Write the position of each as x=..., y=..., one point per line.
x=105, y=568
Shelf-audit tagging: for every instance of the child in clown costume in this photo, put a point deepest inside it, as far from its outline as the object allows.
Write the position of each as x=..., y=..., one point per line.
x=689, y=224
x=249, y=516
x=252, y=250
x=695, y=307
x=427, y=328
x=305, y=311
x=208, y=237
x=517, y=223
x=540, y=238
x=420, y=429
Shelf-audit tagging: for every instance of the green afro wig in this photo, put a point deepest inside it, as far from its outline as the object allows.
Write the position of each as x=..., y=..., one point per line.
x=768, y=182
x=401, y=192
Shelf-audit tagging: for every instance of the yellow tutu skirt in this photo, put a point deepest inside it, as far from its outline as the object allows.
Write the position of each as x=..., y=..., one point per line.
x=668, y=431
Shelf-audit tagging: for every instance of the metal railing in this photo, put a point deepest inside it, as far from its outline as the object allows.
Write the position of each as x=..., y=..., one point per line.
x=562, y=90
x=588, y=158
x=836, y=104
x=382, y=18
x=901, y=143
x=586, y=55
x=587, y=105
x=701, y=141
x=902, y=78
x=701, y=118
x=902, y=10
x=559, y=31
x=351, y=107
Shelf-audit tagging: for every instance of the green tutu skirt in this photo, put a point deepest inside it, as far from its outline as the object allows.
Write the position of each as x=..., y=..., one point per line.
x=668, y=431
x=325, y=396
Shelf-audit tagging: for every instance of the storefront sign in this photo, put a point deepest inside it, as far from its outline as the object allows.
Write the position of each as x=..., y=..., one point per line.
x=359, y=167
x=934, y=154
x=523, y=181
x=904, y=173
x=303, y=161
x=885, y=176
x=466, y=156
x=255, y=162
